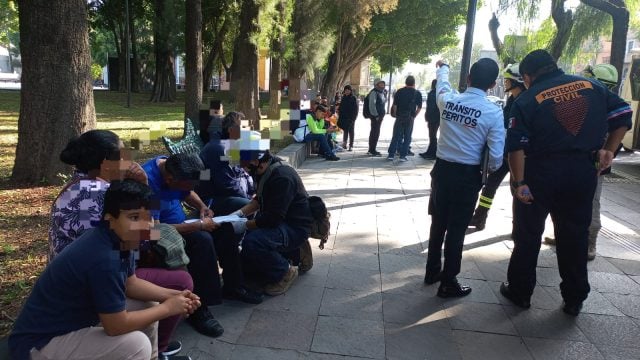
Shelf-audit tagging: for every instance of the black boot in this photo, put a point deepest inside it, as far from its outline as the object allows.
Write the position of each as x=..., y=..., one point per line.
x=479, y=219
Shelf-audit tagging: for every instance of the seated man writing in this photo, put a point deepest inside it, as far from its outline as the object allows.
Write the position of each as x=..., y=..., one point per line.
x=92, y=282
x=172, y=180
x=281, y=225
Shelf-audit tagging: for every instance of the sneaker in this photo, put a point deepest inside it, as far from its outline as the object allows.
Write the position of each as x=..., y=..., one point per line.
x=404, y=159
x=377, y=153
x=390, y=158
x=203, y=322
x=173, y=348
x=339, y=149
x=332, y=158
x=350, y=148
x=410, y=153
x=306, y=257
x=283, y=285
x=479, y=218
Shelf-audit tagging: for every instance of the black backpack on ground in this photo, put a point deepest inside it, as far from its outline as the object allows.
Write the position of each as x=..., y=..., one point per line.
x=321, y=224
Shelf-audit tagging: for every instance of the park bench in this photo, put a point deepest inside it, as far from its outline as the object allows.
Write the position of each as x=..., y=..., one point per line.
x=191, y=143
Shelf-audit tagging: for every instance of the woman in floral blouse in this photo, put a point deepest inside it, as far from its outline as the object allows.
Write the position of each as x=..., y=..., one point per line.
x=98, y=158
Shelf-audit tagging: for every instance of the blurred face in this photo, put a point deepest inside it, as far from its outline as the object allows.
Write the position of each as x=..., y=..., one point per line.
x=527, y=80
x=131, y=226
x=182, y=185
x=255, y=167
x=347, y=92
x=380, y=85
x=320, y=114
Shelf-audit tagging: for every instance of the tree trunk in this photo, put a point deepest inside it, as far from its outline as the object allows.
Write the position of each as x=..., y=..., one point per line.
x=564, y=22
x=620, y=16
x=274, y=88
x=330, y=82
x=244, y=69
x=164, y=86
x=122, y=59
x=214, y=53
x=193, y=80
x=136, y=78
x=56, y=100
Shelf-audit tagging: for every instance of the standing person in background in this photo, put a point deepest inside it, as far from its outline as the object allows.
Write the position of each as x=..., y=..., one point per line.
x=432, y=117
x=514, y=85
x=348, y=112
x=470, y=122
x=376, y=100
x=557, y=148
x=407, y=102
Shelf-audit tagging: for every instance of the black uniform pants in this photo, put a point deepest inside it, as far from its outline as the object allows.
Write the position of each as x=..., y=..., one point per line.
x=454, y=191
x=563, y=186
x=374, y=134
x=433, y=137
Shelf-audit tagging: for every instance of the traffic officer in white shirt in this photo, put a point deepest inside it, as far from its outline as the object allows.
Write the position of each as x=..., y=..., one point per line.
x=469, y=122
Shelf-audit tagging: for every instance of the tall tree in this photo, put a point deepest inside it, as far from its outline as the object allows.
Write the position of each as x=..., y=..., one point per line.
x=281, y=20
x=193, y=70
x=164, y=85
x=398, y=36
x=8, y=25
x=244, y=68
x=56, y=99
x=217, y=33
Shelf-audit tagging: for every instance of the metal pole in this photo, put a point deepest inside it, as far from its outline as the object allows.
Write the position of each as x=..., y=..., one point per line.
x=390, y=78
x=468, y=44
x=128, y=55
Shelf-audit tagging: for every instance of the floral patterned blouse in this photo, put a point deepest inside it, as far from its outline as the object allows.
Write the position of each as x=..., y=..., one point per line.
x=77, y=209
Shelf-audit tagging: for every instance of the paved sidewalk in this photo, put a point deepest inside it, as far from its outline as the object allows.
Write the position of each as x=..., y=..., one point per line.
x=364, y=297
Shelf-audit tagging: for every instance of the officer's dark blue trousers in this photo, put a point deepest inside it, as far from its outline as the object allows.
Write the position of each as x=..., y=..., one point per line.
x=454, y=191
x=562, y=185
x=263, y=248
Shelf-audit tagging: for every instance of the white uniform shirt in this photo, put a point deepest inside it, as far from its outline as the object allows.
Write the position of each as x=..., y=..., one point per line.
x=468, y=121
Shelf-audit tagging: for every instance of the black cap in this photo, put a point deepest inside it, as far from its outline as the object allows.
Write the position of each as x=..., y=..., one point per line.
x=535, y=61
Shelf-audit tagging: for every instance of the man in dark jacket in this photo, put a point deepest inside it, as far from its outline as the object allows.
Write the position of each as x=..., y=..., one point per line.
x=407, y=102
x=376, y=108
x=432, y=117
x=282, y=223
x=557, y=147
x=347, y=114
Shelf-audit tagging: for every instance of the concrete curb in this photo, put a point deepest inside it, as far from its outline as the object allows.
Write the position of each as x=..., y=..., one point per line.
x=294, y=154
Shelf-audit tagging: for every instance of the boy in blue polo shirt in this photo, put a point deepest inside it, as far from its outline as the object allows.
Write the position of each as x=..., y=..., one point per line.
x=88, y=303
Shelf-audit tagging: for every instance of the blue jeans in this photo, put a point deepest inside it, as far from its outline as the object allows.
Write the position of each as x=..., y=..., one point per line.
x=401, y=139
x=322, y=141
x=262, y=251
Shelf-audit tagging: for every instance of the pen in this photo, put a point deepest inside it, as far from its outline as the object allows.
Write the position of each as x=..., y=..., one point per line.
x=209, y=203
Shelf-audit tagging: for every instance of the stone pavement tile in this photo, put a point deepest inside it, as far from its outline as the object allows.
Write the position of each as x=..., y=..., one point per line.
x=420, y=341
x=353, y=337
x=352, y=304
x=469, y=269
x=207, y=349
x=543, y=349
x=279, y=329
x=541, y=299
x=363, y=242
x=414, y=308
x=547, y=324
x=613, y=283
x=402, y=264
x=358, y=260
x=547, y=259
x=480, y=346
x=627, y=304
x=492, y=270
x=482, y=317
x=317, y=276
x=391, y=246
x=320, y=356
x=595, y=303
x=406, y=282
x=619, y=352
x=243, y=352
x=629, y=267
x=609, y=330
x=481, y=292
x=491, y=253
x=635, y=278
x=602, y=264
x=548, y=276
x=351, y=278
x=299, y=299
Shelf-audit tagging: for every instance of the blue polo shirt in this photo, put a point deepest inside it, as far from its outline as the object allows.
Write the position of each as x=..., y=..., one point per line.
x=85, y=279
x=170, y=201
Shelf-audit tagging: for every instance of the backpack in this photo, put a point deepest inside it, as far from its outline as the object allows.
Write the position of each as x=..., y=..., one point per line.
x=321, y=224
x=365, y=107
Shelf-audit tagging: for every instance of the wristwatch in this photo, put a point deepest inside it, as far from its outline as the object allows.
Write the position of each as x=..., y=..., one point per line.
x=517, y=184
